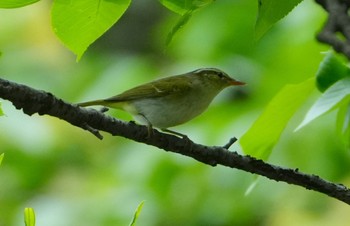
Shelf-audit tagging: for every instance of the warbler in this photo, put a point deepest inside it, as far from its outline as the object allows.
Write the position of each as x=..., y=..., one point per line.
x=170, y=101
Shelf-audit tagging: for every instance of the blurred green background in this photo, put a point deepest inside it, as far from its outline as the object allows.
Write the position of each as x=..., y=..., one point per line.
x=71, y=178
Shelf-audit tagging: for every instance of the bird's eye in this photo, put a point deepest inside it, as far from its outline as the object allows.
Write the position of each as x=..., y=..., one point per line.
x=221, y=75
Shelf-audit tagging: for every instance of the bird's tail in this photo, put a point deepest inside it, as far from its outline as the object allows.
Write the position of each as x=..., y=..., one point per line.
x=106, y=103
x=91, y=103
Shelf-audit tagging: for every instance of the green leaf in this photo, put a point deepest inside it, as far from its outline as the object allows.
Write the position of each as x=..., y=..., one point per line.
x=343, y=124
x=29, y=217
x=181, y=22
x=183, y=6
x=331, y=69
x=252, y=185
x=15, y=3
x=334, y=95
x=1, y=157
x=271, y=11
x=136, y=214
x=1, y=111
x=79, y=23
x=259, y=140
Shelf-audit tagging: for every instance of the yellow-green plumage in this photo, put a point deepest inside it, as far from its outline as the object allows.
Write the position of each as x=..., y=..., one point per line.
x=170, y=101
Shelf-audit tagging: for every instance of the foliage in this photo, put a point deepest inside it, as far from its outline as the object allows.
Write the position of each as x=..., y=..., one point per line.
x=78, y=28
x=331, y=70
x=136, y=214
x=1, y=111
x=185, y=8
x=271, y=11
x=335, y=96
x=16, y=3
x=258, y=141
x=29, y=216
x=333, y=78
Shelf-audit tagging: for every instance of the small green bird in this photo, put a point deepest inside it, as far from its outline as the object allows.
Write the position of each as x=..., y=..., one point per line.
x=170, y=101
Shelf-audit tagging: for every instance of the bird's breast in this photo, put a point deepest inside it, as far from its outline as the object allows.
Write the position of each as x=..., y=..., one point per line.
x=169, y=111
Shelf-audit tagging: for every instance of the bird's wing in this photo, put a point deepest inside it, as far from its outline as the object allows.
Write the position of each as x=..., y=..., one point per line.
x=158, y=88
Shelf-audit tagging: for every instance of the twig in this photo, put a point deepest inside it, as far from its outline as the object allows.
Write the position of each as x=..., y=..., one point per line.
x=92, y=130
x=34, y=101
x=230, y=142
x=336, y=31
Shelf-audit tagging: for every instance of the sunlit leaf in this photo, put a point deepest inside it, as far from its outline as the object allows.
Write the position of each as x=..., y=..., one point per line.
x=136, y=214
x=271, y=11
x=343, y=124
x=334, y=95
x=331, y=69
x=259, y=140
x=183, y=6
x=1, y=111
x=182, y=21
x=29, y=217
x=15, y=3
x=252, y=185
x=1, y=157
x=79, y=23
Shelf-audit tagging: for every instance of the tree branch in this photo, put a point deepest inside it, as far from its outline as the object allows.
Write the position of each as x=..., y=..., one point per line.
x=34, y=101
x=336, y=31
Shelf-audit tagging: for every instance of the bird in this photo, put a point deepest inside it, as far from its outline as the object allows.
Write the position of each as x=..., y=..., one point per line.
x=170, y=101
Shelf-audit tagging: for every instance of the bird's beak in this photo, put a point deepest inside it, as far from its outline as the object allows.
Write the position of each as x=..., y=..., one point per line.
x=236, y=83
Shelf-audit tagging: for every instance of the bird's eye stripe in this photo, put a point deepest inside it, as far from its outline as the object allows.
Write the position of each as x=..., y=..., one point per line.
x=207, y=70
x=199, y=71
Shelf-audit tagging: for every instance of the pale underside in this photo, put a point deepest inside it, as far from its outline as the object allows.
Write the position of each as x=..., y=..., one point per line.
x=164, y=105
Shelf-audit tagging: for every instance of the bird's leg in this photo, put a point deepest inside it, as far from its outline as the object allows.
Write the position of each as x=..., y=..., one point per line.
x=149, y=126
